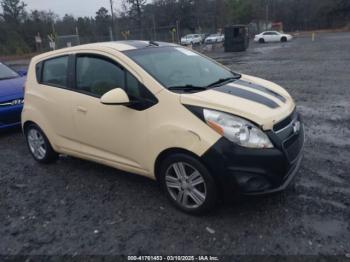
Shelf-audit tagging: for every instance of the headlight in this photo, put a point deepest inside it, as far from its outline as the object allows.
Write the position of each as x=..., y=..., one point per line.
x=17, y=102
x=237, y=130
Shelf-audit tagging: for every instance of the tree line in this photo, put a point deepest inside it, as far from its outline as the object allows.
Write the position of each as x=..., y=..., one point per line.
x=162, y=19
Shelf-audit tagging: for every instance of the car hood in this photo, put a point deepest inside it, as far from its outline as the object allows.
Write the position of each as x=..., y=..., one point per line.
x=11, y=88
x=252, y=98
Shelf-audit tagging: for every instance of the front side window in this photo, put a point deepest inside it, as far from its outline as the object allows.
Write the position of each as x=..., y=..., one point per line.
x=177, y=66
x=55, y=72
x=97, y=75
x=6, y=72
x=137, y=91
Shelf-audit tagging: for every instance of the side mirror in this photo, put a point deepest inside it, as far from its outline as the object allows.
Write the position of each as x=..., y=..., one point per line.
x=22, y=72
x=116, y=96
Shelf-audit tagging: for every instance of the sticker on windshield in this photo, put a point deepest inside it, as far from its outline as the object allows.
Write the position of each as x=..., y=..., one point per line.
x=186, y=52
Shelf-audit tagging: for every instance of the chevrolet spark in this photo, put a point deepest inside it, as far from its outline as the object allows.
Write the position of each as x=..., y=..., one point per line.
x=165, y=112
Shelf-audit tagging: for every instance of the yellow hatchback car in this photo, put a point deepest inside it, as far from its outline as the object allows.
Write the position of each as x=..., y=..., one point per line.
x=165, y=112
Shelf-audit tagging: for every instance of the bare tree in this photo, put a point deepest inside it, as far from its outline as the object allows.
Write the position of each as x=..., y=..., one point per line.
x=135, y=12
x=13, y=10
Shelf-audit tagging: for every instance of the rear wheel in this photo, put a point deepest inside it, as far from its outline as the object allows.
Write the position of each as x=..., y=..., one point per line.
x=188, y=184
x=39, y=146
x=261, y=40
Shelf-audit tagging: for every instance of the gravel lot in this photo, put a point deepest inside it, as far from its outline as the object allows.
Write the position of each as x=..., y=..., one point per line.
x=79, y=207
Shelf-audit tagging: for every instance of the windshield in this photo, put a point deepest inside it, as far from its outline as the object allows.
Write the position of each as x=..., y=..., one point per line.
x=179, y=67
x=6, y=72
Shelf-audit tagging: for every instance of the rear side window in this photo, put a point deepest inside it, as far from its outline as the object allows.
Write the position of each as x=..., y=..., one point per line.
x=55, y=72
x=97, y=75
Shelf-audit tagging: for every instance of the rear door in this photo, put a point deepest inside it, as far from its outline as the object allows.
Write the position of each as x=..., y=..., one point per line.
x=54, y=99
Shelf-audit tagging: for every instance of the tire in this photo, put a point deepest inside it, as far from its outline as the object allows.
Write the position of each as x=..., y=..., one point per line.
x=261, y=40
x=196, y=195
x=39, y=146
x=284, y=39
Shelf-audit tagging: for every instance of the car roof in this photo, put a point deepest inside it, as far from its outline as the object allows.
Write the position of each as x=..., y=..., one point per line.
x=120, y=46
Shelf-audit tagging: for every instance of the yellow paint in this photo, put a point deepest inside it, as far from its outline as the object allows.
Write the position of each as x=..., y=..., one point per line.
x=118, y=136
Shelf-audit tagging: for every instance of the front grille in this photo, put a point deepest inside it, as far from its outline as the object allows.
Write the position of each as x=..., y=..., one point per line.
x=287, y=138
x=293, y=145
x=285, y=122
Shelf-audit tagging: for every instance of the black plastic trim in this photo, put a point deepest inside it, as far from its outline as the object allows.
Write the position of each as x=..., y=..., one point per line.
x=38, y=71
x=196, y=110
x=229, y=162
x=285, y=122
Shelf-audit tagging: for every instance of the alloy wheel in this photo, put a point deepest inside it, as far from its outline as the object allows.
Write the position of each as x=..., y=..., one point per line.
x=186, y=185
x=36, y=144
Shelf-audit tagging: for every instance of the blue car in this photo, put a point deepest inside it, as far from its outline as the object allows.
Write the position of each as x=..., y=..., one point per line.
x=11, y=96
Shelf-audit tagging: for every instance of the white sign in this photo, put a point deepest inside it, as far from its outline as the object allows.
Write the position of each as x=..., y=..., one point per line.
x=38, y=39
x=52, y=45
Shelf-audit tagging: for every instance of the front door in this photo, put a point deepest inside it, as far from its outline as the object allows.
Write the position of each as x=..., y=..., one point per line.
x=275, y=37
x=112, y=133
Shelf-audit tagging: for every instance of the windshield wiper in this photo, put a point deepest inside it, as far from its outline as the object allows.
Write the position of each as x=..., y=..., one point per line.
x=187, y=88
x=221, y=81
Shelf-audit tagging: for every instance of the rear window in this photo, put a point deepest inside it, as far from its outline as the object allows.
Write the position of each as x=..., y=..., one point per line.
x=55, y=72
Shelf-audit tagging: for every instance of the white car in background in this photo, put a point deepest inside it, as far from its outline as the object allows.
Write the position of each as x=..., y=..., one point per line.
x=192, y=39
x=214, y=38
x=272, y=36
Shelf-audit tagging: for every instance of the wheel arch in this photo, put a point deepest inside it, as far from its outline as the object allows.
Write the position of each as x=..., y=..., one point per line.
x=167, y=152
x=28, y=123
x=42, y=127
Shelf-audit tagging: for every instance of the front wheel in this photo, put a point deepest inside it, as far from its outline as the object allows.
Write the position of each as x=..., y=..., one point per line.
x=284, y=39
x=188, y=184
x=39, y=146
x=261, y=40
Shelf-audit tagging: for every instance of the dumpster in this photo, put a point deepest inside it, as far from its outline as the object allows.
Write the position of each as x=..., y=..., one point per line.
x=236, y=38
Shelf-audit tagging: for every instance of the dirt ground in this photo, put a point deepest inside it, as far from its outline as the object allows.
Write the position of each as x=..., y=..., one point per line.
x=79, y=207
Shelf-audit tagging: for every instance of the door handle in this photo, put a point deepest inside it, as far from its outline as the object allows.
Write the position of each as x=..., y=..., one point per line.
x=81, y=109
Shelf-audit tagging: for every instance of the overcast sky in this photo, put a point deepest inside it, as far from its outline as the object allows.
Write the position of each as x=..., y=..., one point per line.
x=73, y=7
